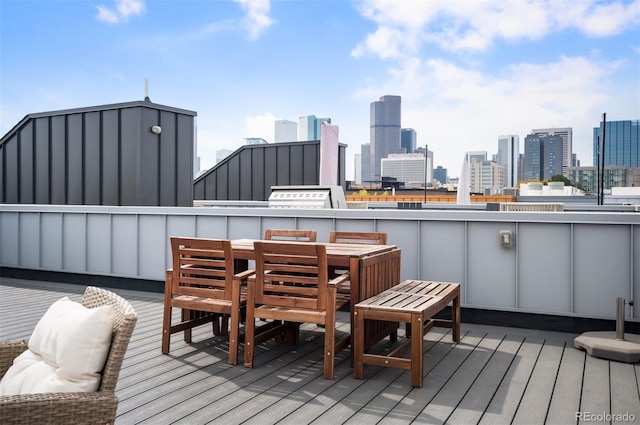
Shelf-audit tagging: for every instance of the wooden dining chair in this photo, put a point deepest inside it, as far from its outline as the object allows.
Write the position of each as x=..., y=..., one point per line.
x=291, y=285
x=372, y=238
x=204, y=285
x=290, y=235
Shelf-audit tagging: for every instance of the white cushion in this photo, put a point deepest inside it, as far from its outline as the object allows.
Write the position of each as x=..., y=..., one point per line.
x=67, y=351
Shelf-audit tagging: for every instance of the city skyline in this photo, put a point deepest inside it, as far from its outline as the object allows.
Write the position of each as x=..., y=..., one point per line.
x=467, y=71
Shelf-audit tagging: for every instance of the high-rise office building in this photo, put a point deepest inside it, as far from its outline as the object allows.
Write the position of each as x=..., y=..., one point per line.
x=477, y=156
x=310, y=127
x=408, y=168
x=508, y=153
x=440, y=174
x=622, y=144
x=285, y=131
x=408, y=139
x=566, y=134
x=385, y=119
x=543, y=156
x=357, y=169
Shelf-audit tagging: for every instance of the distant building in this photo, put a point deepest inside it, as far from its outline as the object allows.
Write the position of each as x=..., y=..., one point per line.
x=309, y=127
x=385, y=125
x=542, y=157
x=614, y=176
x=408, y=139
x=485, y=175
x=285, y=131
x=477, y=156
x=440, y=174
x=408, y=168
x=357, y=169
x=622, y=144
x=255, y=141
x=508, y=154
x=566, y=136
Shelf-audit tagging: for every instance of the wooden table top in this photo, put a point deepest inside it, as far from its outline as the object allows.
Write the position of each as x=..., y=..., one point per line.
x=243, y=249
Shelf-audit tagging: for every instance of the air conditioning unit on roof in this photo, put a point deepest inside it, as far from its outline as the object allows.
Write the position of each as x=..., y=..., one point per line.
x=308, y=196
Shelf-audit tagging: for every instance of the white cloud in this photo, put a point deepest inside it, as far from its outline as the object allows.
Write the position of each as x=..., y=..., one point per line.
x=403, y=26
x=257, y=20
x=122, y=11
x=455, y=110
x=259, y=125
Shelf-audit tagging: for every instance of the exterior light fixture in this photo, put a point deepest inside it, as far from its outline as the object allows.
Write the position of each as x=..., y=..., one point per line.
x=156, y=129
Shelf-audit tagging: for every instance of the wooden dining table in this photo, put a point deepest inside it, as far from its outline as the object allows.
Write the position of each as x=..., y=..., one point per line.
x=372, y=269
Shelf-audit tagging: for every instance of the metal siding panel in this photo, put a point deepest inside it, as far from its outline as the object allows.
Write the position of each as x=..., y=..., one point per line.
x=149, y=161
x=342, y=157
x=259, y=190
x=297, y=164
x=2, y=170
x=491, y=273
x=25, y=181
x=42, y=172
x=270, y=171
x=51, y=240
x=58, y=161
x=9, y=224
x=544, y=275
x=283, y=155
x=210, y=185
x=75, y=160
x=601, y=271
x=74, y=247
x=635, y=262
x=110, y=155
x=441, y=250
x=152, y=261
x=99, y=244
x=211, y=227
x=198, y=190
x=311, y=164
x=234, y=167
x=12, y=179
x=125, y=239
x=246, y=175
x=92, y=158
x=129, y=136
x=243, y=227
x=168, y=160
x=221, y=182
x=184, y=167
x=29, y=240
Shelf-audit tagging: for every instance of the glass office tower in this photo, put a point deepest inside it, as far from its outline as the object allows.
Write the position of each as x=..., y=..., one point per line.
x=622, y=144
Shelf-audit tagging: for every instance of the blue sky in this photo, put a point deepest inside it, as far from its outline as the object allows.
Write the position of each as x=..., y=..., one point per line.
x=468, y=71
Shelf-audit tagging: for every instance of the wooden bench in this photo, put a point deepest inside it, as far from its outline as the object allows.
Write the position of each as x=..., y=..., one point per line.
x=413, y=302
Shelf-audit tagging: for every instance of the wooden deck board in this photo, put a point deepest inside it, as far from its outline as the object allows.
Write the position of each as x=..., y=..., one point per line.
x=496, y=375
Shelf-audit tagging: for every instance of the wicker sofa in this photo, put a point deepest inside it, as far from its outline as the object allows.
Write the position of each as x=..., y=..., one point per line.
x=73, y=408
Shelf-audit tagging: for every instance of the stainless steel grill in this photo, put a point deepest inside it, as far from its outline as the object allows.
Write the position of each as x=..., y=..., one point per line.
x=307, y=197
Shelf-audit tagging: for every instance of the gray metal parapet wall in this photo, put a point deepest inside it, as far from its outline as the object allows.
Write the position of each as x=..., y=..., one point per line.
x=565, y=263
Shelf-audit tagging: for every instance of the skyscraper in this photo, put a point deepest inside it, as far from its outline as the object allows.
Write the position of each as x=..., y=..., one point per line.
x=365, y=162
x=566, y=135
x=408, y=139
x=543, y=156
x=285, y=131
x=385, y=119
x=622, y=144
x=508, y=153
x=309, y=127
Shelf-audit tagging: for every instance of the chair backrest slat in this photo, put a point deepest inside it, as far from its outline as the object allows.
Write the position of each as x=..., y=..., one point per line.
x=291, y=235
x=374, y=238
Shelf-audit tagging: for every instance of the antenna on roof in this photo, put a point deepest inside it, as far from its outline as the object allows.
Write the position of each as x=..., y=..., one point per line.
x=146, y=90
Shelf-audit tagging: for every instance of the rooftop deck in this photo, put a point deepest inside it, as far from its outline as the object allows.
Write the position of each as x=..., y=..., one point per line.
x=495, y=375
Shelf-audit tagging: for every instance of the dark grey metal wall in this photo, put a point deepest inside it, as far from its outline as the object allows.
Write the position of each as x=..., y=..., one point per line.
x=249, y=172
x=102, y=155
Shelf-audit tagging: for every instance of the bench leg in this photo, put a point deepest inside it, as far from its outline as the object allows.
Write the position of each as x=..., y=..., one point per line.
x=358, y=345
x=455, y=318
x=417, y=360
